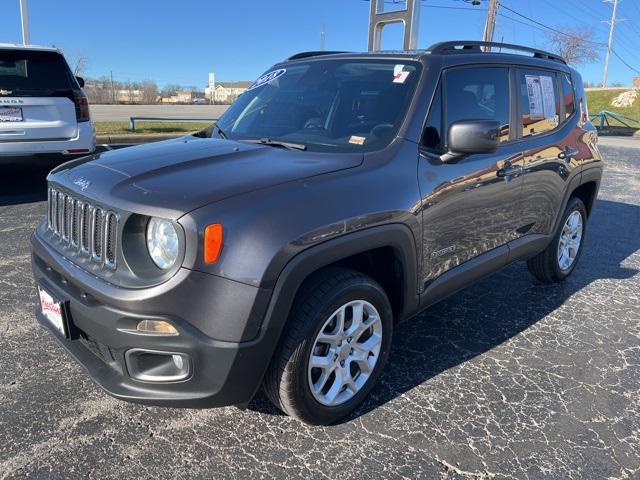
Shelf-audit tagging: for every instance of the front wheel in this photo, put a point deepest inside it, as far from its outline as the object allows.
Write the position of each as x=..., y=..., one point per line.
x=560, y=258
x=334, y=348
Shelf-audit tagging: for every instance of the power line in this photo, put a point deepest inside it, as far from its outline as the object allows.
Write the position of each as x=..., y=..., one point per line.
x=600, y=44
x=443, y=7
x=536, y=24
x=620, y=58
x=550, y=28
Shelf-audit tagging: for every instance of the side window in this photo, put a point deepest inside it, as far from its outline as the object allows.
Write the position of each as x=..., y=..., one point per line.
x=539, y=101
x=478, y=93
x=568, y=95
x=431, y=137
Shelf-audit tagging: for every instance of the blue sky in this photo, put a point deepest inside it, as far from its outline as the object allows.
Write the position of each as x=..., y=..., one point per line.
x=180, y=42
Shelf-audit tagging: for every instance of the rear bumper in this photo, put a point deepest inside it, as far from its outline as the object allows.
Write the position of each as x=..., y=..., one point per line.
x=221, y=373
x=13, y=152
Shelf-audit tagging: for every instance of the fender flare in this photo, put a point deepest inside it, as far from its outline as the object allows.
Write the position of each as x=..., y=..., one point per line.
x=397, y=236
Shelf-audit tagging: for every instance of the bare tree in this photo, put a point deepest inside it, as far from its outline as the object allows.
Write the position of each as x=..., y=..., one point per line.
x=575, y=45
x=78, y=61
x=149, y=92
x=170, y=89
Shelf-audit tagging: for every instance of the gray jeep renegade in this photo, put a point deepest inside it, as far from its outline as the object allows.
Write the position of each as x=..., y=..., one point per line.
x=341, y=194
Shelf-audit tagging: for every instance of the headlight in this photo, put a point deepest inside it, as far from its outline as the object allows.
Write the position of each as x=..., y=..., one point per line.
x=162, y=242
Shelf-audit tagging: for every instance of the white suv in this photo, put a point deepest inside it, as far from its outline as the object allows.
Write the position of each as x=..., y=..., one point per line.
x=44, y=114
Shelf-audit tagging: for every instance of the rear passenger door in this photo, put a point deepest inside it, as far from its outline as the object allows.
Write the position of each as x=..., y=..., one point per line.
x=549, y=134
x=472, y=206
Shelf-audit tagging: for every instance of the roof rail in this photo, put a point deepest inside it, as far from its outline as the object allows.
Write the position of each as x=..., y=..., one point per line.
x=473, y=46
x=316, y=53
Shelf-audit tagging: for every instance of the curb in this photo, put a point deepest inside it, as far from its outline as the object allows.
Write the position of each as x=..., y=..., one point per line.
x=138, y=138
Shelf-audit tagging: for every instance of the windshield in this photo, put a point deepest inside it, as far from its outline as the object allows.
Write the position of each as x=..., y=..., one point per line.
x=24, y=71
x=325, y=105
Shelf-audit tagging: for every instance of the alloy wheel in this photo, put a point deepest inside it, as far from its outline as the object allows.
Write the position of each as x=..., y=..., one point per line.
x=570, y=240
x=345, y=352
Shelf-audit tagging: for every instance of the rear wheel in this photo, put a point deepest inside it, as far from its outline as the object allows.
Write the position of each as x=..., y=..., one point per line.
x=561, y=256
x=334, y=349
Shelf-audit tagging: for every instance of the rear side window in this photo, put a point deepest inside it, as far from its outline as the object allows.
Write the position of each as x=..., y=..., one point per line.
x=24, y=72
x=568, y=95
x=478, y=93
x=539, y=101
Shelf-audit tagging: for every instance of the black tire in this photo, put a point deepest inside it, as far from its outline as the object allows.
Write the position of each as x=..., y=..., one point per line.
x=287, y=380
x=545, y=266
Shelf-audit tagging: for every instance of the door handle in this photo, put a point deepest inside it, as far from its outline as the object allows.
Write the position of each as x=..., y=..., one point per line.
x=508, y=170
x=568, y=153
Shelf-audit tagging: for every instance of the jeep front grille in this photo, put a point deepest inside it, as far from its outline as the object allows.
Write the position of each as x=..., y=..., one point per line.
x=82, y=226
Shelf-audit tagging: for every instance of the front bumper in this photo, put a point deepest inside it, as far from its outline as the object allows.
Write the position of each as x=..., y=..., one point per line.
x=222, y=372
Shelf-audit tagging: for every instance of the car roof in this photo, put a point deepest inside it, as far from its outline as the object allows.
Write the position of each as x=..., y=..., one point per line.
x=455, y=52
x=20, y=46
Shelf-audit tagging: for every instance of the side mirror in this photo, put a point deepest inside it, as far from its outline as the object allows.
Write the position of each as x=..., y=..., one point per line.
x=80, y=81
x=472, y=136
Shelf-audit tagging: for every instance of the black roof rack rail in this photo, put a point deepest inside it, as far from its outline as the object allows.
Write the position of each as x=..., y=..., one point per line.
x=316, y=53
x=473, y=46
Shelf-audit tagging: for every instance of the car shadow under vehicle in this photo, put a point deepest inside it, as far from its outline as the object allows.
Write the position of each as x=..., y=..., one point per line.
x=483, y=316
x=27, y=183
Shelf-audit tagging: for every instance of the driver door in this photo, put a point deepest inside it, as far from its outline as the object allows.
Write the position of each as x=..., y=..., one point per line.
x=471, y=206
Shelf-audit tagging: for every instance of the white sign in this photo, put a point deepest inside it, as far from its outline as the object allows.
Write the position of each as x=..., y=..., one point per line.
x=541, y=95
x=534, y=93
x=52, y=310
x=548, y=96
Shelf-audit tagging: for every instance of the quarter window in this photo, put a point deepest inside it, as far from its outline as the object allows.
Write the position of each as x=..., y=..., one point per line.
x=539, y=101
x=431, y=137
x=568, y=95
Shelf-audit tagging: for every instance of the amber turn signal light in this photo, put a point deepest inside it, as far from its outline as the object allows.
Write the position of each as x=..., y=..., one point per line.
x=212, y=242
x=156, y=327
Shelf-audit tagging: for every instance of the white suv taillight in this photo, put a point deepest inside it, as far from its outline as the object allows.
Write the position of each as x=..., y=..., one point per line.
x=82, y=106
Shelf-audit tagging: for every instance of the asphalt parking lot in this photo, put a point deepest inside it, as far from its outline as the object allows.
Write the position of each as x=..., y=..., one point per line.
x=507, y=379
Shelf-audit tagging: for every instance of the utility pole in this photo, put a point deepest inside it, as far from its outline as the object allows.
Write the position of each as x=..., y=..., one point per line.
x=610, y=43
x=113, y=91
x=490, y=24
x=24, y=17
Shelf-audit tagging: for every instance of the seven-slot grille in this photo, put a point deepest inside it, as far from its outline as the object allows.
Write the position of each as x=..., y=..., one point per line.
x=85, y=227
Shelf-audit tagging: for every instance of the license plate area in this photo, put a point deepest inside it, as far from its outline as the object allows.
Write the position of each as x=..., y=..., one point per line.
x=54, y=311
x=11, y=114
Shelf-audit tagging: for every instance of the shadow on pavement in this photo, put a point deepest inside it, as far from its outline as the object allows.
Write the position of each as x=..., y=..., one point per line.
x=28, y=183
x=496, y=309
x=23, y=184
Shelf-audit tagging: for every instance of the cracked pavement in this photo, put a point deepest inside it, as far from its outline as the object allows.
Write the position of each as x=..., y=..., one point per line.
x=506, y=379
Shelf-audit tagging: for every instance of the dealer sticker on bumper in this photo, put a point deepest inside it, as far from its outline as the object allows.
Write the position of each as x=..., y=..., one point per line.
x=11, y=114
x=52, y=311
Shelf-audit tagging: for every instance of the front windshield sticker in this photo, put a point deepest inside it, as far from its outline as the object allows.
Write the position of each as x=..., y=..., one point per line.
x=400, y=77
x=356, y=140
x=267, y=77
x=399, y=74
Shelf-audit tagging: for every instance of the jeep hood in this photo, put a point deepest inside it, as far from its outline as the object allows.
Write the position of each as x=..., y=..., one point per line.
x=173, y=177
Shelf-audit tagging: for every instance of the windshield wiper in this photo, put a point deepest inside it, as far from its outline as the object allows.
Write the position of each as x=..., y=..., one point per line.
x=220, y=131
x=277, y=143
x=208, y=132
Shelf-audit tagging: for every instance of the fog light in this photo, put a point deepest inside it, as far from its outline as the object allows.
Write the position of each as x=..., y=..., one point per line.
x=155, y=366
x=156, y=327
x=178, y=362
